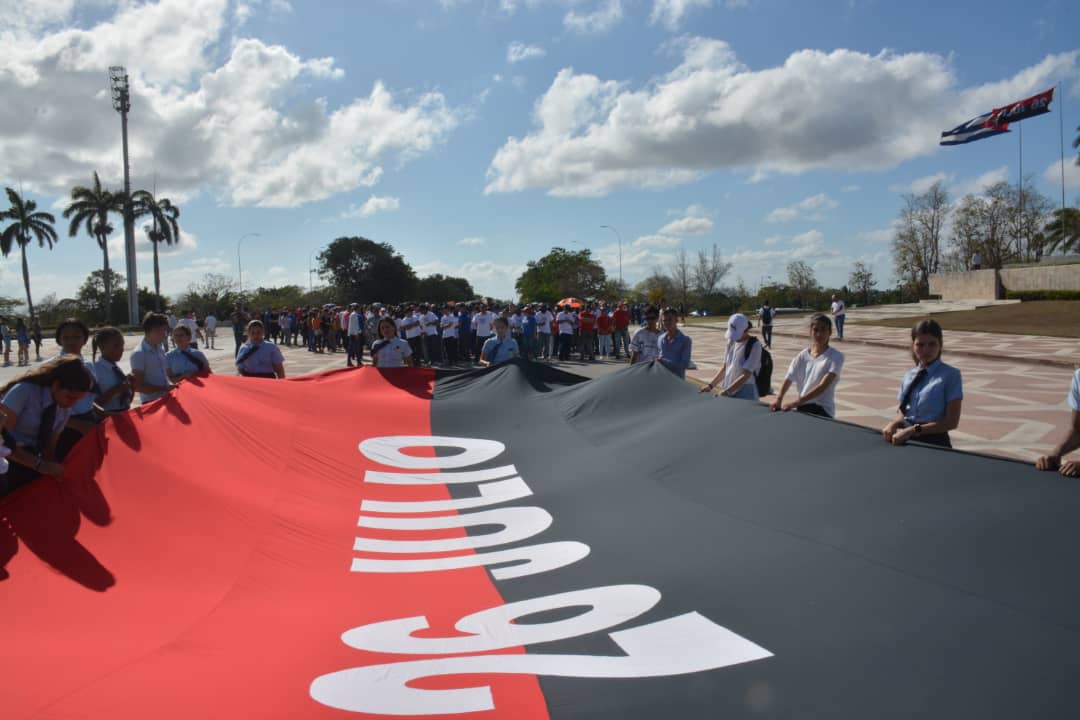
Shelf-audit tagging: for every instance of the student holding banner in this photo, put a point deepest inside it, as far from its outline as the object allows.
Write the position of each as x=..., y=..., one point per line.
x=1053, y=461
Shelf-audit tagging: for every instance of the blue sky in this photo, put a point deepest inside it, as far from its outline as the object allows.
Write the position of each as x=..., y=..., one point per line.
x=474, y=135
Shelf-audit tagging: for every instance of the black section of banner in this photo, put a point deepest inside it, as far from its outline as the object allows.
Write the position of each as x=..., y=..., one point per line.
x=887, y=582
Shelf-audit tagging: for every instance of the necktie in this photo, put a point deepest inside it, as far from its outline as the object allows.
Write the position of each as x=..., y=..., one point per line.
x=245, y=353
x=195, y=359
x=919, y=377
x=45, y=429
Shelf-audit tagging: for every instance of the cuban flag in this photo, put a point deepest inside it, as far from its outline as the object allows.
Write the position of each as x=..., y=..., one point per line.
x=977, y=128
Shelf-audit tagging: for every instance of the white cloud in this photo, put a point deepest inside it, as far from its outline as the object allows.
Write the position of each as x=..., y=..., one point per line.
x=688, y=226
x=656, y=241
x=817, y=110
x=811, y=238
x=921, y=185
x=487, y=278
x=517, y=52
x=773, y=240
x=607, y=14
x=670, y=13
x=471, y=241
x=144, y=249
x=371, y=206
x=244, y=125
x=810, y=208
x=976, y=185
x=1052, y=175
x=879, y=236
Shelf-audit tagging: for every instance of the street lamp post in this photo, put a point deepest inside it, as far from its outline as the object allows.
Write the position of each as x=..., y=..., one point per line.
x=617, y=235
x=239, y=267
x=121, y=97
x=310, y=286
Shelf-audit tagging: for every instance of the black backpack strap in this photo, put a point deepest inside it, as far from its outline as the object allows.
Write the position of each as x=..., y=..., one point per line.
x=749, y=347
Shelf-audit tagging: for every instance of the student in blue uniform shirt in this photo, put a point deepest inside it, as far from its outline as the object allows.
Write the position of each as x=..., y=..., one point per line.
x=113, y=392
x=148, y=365
x=258, y=358
x=1054, y=461
x=930, y=395
x=35, y=408
x=72, y=336
x=674, y=347
x=500, y=348
x=183, y=361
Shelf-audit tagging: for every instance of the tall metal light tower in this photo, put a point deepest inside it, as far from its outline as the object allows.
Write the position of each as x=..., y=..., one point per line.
x=121, y=98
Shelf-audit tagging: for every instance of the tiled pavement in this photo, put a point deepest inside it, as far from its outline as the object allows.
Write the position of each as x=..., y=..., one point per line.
x=1013, y=405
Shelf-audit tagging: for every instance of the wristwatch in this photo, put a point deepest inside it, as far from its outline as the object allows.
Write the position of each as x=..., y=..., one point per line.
x=918, y=429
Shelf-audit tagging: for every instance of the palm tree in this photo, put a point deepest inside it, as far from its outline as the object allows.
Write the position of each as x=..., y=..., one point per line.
x=91, y=207
x=163, y=228
x=1064, y=235
x=26, y=222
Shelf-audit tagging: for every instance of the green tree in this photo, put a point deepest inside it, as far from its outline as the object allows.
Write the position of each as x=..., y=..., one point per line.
x=90, y=207
x=1063, y=232
x=213, y=294
x=561, y=273
x=365, y=271
x=441, y=288
x=802, y=280
x=286, y=296
x=93, y=305
x=26, y=223
x=917, y=251
x=861, y=280
x=163, y=228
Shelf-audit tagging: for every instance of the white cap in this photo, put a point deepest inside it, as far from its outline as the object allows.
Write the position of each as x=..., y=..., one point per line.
x=737, y=326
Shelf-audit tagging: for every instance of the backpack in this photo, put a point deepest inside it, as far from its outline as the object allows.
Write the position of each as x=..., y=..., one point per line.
x=763, y=377
x=766, y=315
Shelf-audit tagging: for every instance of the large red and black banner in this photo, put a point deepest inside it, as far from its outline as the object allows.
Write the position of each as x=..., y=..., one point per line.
x=516, y=543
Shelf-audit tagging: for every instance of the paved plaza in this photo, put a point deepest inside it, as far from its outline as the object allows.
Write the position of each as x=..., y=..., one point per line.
x=1014, y=385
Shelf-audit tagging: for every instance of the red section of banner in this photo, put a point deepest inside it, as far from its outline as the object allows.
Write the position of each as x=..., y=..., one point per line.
x=1021, y=109
x=204, y=572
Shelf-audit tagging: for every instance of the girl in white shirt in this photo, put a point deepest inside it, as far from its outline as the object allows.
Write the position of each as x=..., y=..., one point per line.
x=814, y=373
x=742, y=361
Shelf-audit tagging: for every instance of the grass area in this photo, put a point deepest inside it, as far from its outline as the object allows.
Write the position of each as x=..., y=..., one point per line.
x=1055, y=318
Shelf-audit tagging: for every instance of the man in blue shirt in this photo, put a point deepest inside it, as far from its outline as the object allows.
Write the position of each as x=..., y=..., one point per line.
x=528, y=333
x=674, y=345
x=1069, y=468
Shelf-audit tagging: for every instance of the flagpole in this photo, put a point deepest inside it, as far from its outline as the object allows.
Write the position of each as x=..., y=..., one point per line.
x=1020, y=183
x=1061, y=138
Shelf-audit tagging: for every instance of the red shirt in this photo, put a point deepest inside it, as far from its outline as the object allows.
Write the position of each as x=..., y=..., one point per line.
x=622, y=319
x=603, y=324
x=587, y=319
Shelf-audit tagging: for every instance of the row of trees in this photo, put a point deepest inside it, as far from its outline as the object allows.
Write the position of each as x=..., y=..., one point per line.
x=693, y=281
x=1004, y=224
x=90, y=209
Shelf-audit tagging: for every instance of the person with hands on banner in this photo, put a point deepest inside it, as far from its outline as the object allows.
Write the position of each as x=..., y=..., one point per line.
x=35, y=408
x=814, y=373
x=183, y=361
x=258, y=358
x=645, y=347
x=148, y=364
x=500, y=348
x=1053, y=461
x=114, y=393
x=390, y=351
x=742, y=361
x=674, y=346
x=930, y=395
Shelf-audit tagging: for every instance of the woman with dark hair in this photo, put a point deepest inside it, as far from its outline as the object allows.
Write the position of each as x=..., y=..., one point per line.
x=930, y=394
x=258, y=358
x=35, y=408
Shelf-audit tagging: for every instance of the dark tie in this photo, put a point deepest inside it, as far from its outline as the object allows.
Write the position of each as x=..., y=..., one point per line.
x=195, y=359
x=919, y=377
x=45, y=429
x=246, y=353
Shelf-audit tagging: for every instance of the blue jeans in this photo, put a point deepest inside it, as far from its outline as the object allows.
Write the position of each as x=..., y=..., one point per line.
x=747, y=392
x=840, y=326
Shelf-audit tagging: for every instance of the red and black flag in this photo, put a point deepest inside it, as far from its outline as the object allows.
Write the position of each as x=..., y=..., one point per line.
x=514, y=543
x=1023, y=109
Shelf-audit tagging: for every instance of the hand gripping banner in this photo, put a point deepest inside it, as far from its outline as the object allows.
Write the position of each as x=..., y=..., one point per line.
x=517, y=543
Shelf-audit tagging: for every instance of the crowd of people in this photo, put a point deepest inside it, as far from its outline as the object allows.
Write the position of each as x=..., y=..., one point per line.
x=45, y=411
